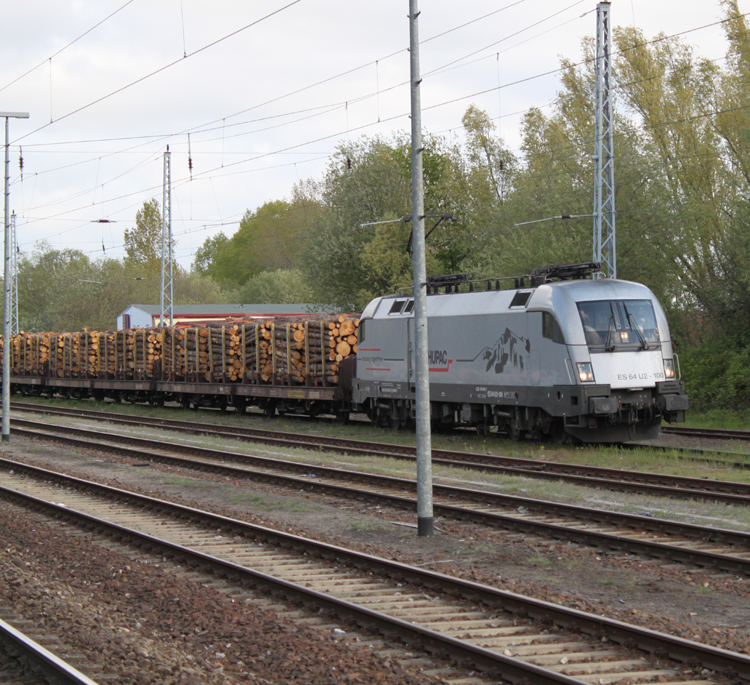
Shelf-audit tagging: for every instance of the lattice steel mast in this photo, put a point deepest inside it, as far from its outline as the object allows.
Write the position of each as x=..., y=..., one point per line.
x=166, y=244
x=605, y=245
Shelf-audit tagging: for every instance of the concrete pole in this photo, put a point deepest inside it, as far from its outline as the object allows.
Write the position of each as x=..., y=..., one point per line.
x=6, y=284
x=6, y=304
x=425, y=521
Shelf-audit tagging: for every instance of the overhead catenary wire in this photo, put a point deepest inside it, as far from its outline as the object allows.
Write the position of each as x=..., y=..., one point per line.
x=163, y=68
x=65, y=47
x=439, y=104
x=449, y=31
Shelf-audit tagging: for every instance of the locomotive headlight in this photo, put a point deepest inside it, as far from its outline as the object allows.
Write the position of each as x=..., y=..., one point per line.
x=585, y=372
x=669, y=368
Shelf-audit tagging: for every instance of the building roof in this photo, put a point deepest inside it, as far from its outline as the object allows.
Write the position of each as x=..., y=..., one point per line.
x=220, y=310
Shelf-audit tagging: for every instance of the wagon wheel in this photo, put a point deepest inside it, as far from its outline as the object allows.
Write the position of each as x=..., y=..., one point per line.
x=483, y=429
x=514, y=433
x=269, y=410
x=394, y=423
x=342, y=417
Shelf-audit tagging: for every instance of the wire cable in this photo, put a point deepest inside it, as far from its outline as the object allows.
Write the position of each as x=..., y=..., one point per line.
x=49, y=59
x=163, y=68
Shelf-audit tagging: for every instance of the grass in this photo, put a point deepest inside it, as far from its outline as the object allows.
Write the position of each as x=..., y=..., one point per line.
x=544, y=562
x=718, y=418
x=184, y=482
x=365, y=525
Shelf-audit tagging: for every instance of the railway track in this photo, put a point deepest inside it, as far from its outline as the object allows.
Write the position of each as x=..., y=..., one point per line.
x=664, y=485
x=498, y=633
x=706, y=547
x=713, y=433
x=24, y=660
x=346, y=445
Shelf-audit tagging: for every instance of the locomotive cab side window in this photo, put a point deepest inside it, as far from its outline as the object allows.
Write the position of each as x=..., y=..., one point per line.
x=611, y=325
x=551, y=329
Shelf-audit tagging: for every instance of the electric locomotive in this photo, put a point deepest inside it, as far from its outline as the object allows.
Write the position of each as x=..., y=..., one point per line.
x=562, y=357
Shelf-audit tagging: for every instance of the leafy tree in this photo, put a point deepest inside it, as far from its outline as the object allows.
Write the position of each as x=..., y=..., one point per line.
x=269, y=238
x=282, y=286
x=143, y=242
x=369, y=181
x=205, y=254
x=64, y=290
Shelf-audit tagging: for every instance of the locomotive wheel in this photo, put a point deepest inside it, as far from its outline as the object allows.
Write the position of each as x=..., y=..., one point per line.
x=556, y=432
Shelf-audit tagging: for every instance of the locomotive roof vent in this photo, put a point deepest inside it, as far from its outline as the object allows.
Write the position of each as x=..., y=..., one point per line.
x=563, y=272
x=450, y=283
x=455, y=283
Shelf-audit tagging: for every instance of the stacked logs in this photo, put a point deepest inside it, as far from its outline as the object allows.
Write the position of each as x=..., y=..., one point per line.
x=29, y=352
x=277, y=350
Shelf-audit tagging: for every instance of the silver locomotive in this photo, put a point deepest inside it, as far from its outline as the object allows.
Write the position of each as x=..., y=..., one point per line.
x=590, y=360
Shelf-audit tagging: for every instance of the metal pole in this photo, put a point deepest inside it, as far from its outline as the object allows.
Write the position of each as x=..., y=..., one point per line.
x=6, y=285
x=166, y=244
x=425, y=522
x=605, y=242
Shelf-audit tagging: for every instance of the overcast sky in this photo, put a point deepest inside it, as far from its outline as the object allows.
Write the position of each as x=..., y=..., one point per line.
x=266, y=90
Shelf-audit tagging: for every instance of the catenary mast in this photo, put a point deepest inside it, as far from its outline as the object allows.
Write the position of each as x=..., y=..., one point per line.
x=605, y=246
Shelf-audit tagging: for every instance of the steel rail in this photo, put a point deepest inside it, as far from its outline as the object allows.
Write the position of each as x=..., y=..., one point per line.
x=603, y=629
x=54, y=669
x=678, y=487
x=717, y=433
x=309, y=477
x=347, y=445
x=536, y=467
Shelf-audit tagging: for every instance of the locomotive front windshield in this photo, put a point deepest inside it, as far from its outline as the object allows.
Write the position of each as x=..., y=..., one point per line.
x=612, y=325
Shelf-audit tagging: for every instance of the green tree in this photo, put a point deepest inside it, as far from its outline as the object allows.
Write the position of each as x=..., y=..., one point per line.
x=64, y=290
x=368, y=181
x=282, y=286
x=143, y=242
x=205, y=254
x=270, y=238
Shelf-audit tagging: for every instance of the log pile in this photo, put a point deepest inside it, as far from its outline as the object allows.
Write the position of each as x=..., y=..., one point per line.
x=303, y=350
x=29, y=352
